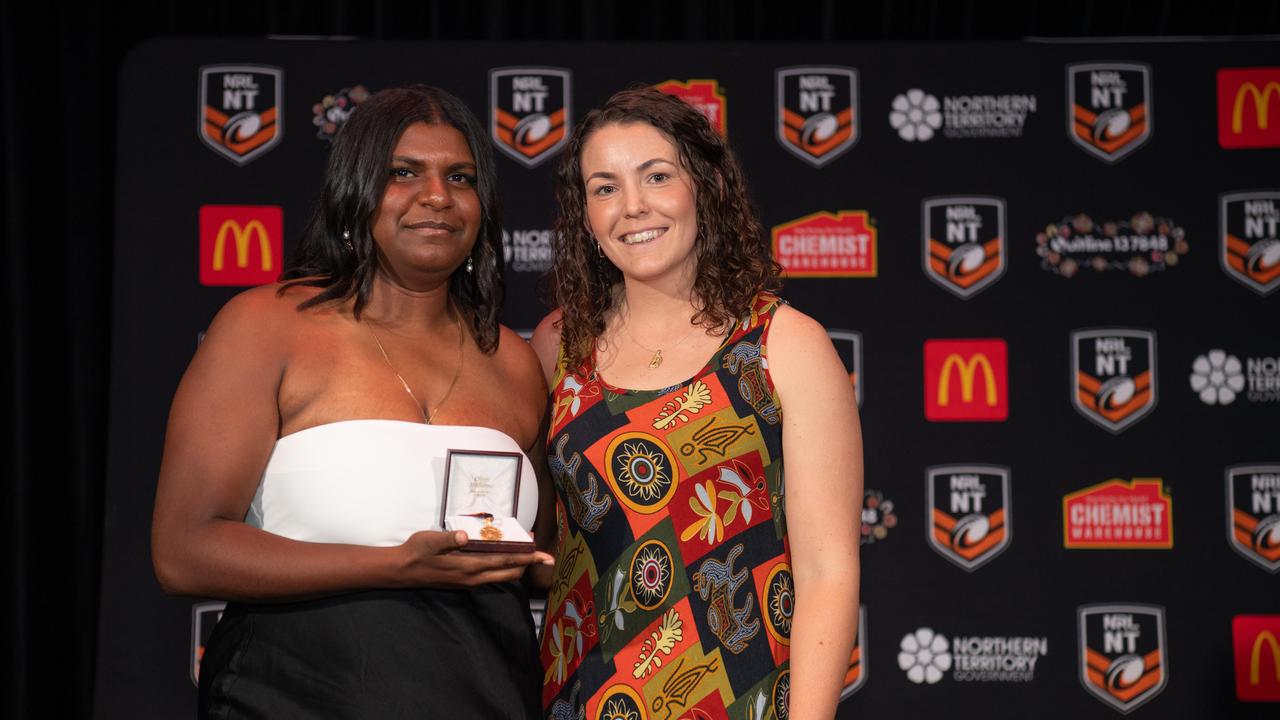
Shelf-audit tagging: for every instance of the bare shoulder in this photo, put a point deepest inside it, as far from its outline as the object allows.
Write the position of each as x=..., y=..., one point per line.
x=793, y=333
x=546, y=343
x=519, y=362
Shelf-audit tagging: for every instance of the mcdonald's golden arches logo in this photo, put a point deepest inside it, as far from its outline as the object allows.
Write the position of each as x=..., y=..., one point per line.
x=966, y=380
x=241, y=244
x=1249, y=107
x=1256, y=641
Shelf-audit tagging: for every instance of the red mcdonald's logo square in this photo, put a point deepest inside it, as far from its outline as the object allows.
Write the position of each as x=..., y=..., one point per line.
x=241, y=244
x=1249, y=107
x=966, y=380
x=1256, y=639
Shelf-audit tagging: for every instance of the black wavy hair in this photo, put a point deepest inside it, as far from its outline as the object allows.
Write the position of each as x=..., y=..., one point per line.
x=357, y=174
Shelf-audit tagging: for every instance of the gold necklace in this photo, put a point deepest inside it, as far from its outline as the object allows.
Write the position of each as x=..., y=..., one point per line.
x=456, y=372
x=656, y=361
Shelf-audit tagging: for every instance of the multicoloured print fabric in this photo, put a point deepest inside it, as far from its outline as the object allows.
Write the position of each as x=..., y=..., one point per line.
x=673, y=593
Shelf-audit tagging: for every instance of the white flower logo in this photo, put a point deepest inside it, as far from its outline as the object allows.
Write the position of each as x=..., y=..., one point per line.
x=924, y=656
x=1217, y=377
x=915, y=115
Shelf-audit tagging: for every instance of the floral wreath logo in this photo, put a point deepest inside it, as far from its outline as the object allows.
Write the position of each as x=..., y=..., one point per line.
x=915, y=115
x=878, y=517
x=924, y=655
x=1216, y=377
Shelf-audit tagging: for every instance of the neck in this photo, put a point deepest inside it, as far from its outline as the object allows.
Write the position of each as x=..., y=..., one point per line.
x=652, y=308
x=398, y=307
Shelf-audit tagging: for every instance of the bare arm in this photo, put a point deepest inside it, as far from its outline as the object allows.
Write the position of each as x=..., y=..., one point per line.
x=822, y=447
x=222, y=427
x=546, y=343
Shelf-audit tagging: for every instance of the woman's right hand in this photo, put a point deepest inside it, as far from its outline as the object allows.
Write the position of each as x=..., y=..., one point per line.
x=435, y=558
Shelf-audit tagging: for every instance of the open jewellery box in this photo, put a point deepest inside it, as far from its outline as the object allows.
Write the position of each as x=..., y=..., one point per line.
x=481, y=496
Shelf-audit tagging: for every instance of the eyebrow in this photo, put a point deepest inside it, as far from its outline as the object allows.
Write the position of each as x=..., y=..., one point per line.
x=417, y=163
x=643, y=166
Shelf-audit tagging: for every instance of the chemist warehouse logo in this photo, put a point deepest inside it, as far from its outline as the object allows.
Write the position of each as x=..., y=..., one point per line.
x=827, y=245
x=1113, y=375
x=530, y=112
x=971, y=513
x=241, y=110
x=1253, y=513
x=964, y=243
x=1118, y=515
x=1122, y=657
x=705, y=95
x=927, y=656
x=1249, y=235
x=1109, y=111
x=817, y=112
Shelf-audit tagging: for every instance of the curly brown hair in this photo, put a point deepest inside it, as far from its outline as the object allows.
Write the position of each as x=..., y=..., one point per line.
x=734, y=260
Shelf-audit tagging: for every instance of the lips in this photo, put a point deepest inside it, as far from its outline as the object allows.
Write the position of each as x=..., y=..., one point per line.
x=641, y=236
x=437, y=225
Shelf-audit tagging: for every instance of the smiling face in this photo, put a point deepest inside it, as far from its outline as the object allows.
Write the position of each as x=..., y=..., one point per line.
x=640, y=203
x=427, y=220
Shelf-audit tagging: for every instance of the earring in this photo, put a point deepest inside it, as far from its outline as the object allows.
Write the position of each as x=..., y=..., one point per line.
x=599, y=250
x=470, y=265
x=346, y=238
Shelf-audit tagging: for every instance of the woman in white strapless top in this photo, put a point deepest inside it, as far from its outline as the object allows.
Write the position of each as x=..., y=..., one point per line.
x=305, y=452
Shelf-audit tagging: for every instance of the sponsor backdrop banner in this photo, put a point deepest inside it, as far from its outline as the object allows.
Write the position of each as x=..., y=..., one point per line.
x=1051, y=270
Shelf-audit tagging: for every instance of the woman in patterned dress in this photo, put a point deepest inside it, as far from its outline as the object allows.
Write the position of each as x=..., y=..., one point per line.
x=691, y=580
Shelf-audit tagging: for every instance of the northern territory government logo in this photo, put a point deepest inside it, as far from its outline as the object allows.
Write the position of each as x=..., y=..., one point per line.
x=918, y=116
x=1253, y=513
x=856, y=676
x=964, y=242
x=848, y=346
x=817, y=112
x=1109, y=108
x=530, y=112
x=971, y=513
x=1249, y=107
x=241, y=110
x=1140, y=245
x=927, y=656
x=827, y=245
x=705, y=95
x=1122, y=658
x=1113, y=375
x=1118, y=515
x=1220, y=378
x=204, y=616
x=1249, y=234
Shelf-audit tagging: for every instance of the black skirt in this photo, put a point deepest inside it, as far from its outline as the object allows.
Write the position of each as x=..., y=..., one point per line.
x=380, y=654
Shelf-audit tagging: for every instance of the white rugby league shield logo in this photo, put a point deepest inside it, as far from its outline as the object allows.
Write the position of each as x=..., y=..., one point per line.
x=1250, y=532
x=849, y=346
x=1126, y=668
x=1256, y=265
x=243, y=123
x=1116, y=389
x=525, y=133
x=947, y=266
x=1111, y=121
x=973, y=526
x=811, y=130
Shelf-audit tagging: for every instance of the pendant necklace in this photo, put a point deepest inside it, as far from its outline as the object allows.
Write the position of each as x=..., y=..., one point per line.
x=456, y=372
x=656, y=360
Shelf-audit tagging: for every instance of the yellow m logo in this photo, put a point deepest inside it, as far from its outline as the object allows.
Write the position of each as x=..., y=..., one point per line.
x=966, y=369
x=242, y=237
x=1261, y=104
x=1255, y=657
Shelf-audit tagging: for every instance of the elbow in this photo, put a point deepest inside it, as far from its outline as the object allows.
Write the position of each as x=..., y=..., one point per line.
x=170, y=566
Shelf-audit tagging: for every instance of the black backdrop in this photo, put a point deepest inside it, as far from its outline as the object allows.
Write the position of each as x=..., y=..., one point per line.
x=58, y=64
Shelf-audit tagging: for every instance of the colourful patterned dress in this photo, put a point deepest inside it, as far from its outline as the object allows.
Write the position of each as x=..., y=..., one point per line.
x=673, y=593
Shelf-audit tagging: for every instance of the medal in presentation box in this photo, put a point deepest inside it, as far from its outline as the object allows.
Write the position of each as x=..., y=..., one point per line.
x=481, y=496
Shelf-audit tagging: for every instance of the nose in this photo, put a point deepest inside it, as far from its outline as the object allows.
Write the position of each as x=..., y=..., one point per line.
x=634, y=203
x=435, y=193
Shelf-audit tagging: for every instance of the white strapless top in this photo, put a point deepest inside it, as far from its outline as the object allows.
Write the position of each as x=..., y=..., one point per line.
x=370, y=482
